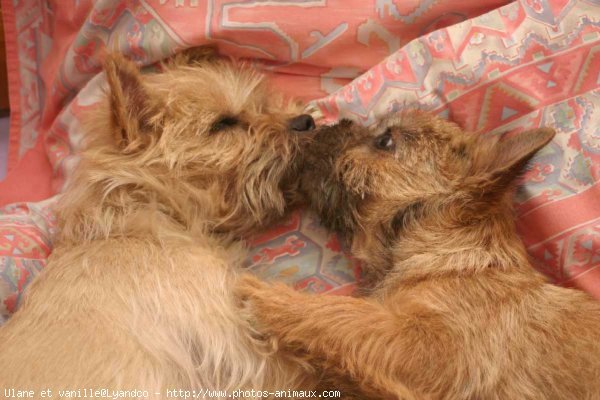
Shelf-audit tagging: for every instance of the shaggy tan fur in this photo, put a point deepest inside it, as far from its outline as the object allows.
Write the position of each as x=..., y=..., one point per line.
x=457, y=311
x=177, y=167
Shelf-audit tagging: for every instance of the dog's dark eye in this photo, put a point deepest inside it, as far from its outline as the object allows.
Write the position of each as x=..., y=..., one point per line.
x=385, y=141
x=224, y=123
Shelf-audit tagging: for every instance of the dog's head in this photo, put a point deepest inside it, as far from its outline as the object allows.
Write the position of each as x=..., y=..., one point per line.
x=205, y=137
x=371, y=183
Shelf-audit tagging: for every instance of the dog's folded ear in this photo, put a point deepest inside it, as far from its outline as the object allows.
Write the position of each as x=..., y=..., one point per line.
x=134, y=116
x=500, y=166
x=193, y=55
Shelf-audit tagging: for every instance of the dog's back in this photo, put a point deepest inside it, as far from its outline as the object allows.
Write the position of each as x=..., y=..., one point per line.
x=155, y=318
x=500, y=335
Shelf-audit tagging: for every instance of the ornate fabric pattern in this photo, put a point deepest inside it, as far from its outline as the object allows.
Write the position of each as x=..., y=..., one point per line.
x=25, y=243
x=491, y=65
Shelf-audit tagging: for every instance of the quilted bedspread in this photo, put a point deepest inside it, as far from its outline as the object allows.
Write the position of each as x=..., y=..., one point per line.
x=490, y=65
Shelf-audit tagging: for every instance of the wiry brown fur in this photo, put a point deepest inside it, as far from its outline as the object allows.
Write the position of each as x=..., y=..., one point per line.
x=137, y=293
x=457, y=311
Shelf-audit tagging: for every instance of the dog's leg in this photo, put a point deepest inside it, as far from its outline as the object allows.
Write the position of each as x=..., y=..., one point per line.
x=349, y=335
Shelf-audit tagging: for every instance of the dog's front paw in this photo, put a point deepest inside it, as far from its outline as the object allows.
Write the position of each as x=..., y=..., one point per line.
x=264, y=305
x=250, y=287
x=251, y=295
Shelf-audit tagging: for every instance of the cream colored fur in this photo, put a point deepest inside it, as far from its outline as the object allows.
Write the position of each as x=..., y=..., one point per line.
x=137, y=293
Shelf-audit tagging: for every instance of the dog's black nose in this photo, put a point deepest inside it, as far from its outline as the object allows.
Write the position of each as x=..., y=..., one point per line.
x=302, y=123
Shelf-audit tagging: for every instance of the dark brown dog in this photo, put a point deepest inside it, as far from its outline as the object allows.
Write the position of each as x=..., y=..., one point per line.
x=458, y=313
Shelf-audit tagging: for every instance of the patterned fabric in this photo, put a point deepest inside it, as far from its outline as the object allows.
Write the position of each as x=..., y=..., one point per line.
x=490, y=65
x=302, y=253
x=25, y=243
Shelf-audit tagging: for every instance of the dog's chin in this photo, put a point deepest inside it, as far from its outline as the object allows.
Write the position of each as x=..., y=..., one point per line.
x=291, y=194
x=328, y=198
x=320, y=187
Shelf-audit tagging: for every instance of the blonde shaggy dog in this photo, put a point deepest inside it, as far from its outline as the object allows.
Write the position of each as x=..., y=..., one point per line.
x=457, y=311
x=137, y=293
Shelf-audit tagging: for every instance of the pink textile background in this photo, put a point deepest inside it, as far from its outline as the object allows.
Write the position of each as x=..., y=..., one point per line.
x=490, y=65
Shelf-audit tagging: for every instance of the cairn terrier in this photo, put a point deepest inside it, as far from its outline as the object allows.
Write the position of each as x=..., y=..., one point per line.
x=457, y=311
x=177, y=166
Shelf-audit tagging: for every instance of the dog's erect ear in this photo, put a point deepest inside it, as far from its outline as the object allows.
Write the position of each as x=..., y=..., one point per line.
x=508, y=158
x=132, y=112
x=513, y=154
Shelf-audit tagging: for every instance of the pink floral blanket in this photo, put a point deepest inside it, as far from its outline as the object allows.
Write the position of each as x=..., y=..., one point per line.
x=490, y=65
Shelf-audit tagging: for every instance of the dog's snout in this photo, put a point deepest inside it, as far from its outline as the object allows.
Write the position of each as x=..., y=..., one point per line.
x=302, y=123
